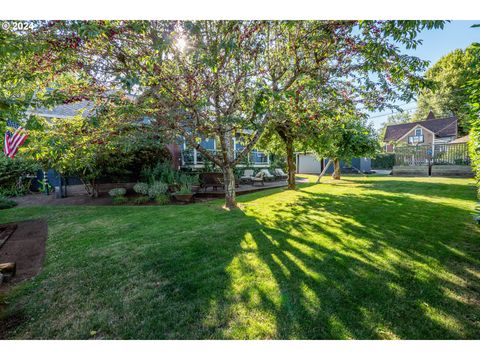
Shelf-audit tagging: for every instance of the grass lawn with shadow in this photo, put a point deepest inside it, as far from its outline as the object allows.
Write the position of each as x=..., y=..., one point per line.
x=374, y=257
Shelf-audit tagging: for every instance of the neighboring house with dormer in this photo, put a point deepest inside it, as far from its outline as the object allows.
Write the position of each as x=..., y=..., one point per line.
x=427, y=132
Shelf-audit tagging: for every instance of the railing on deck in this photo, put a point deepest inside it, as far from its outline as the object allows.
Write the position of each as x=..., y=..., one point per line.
x=451, y=154
x=438, y=154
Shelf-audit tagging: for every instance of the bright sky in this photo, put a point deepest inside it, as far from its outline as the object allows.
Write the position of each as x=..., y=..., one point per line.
x=437, y=43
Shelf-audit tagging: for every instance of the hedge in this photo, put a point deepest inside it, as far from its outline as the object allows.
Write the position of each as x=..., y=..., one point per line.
x=383, y=161
x=474, y=148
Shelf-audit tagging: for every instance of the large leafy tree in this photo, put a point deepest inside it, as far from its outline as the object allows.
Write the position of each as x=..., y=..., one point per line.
x=21, y=73
x=203, y=79
x=35, y=73
x=91, y=147
x=472, y=88
x=356, y=65
x=219, y=78
x=343, y=138
x=448, y=96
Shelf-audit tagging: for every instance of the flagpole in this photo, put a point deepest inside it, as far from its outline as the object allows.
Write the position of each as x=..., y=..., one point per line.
x=45, y=173
x=45, y=181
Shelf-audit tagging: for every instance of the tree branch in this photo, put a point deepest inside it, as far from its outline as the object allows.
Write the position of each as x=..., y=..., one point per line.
x=191, y=141
x=252, y=142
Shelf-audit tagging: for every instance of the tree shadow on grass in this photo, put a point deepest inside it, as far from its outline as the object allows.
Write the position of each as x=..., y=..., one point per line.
x=404, y=272
x=412, y=186
x=327, y=266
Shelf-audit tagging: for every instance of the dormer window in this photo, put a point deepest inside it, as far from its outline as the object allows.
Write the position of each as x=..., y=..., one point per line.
x=417, y=138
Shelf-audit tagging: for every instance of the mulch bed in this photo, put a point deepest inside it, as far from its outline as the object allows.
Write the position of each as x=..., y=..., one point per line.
x=41, y=199
x=25, y=247
x=5, y=232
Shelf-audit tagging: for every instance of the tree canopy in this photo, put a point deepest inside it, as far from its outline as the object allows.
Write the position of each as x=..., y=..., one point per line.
x=448, y=96
x=218, y=78
x=472, y=88
x=92, y=147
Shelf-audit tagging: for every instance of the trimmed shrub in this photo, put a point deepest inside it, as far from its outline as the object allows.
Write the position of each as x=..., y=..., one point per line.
x=156, y=189
x=383, y=161
x=6, y=203
x=119, y=200
x=162, y=199
x=474, y=148
x=117, y=192
x=140, y=200
x=13, y=172
x=141, y=188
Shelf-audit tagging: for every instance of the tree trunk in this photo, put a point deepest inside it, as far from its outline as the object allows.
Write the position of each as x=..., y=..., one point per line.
x=324, y=170
x=91, y=187
x=285, y=133
x=336, y=169
x=45, y=181
x=229, y=183
x=228, y=157
x=290, y=163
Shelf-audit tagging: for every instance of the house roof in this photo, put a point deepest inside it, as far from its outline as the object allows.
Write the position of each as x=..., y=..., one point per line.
x=84, y=108
x=460, y=140
x=440, y=127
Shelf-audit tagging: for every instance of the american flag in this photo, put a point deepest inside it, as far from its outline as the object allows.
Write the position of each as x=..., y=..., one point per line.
x=15, y=140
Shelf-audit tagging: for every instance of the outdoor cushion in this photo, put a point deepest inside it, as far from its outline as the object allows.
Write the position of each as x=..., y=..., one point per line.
x=259, y=178
x=280, y=174
x=247, y=174
x=267, y=174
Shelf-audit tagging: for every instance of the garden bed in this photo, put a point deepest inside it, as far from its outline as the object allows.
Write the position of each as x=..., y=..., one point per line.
x=42, y=199
x=26, y=248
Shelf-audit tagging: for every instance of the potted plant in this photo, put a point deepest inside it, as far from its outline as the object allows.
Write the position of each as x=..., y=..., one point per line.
x=190, y=180
x=195, y=183
x=184, y=195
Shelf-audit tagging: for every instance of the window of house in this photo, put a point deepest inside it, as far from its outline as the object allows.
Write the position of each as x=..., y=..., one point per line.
x=418, y=132
x=208, y=144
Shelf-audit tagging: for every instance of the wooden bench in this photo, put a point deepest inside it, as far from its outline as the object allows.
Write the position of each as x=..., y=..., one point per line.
x=211, y=179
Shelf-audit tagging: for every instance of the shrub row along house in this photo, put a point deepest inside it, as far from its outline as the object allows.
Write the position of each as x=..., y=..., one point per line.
x=182, y=155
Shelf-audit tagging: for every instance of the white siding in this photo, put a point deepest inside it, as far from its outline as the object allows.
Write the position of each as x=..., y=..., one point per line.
x=308, y=164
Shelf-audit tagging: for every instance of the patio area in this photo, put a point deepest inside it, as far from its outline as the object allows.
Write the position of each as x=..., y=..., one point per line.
x=248, y=188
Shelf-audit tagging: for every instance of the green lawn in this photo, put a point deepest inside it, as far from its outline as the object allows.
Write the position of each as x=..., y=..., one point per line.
x=363, y=258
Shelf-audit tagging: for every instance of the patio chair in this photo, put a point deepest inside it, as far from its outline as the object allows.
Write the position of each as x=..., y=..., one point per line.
x=267, y=175
x=280, y=174
x=247, y=175
x=258, y=179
